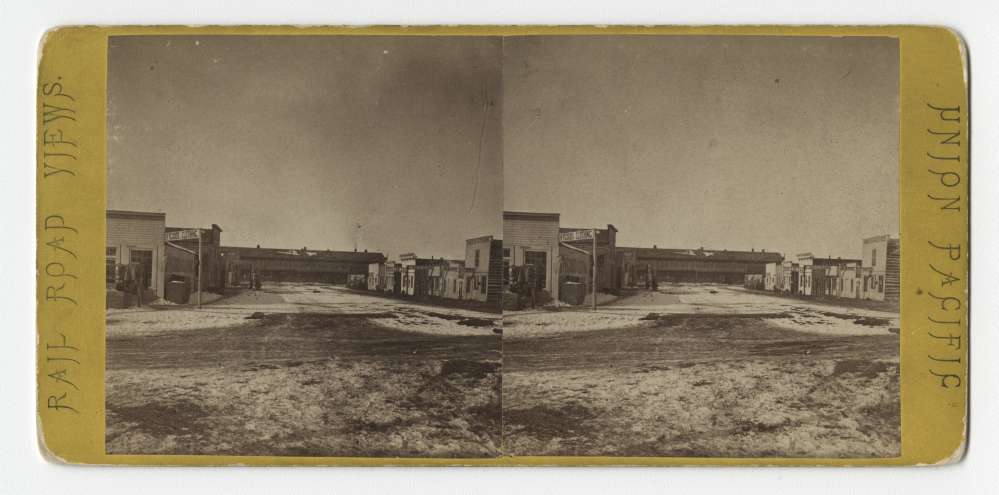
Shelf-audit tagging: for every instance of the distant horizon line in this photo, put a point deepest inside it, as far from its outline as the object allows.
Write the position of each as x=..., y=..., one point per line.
x=650, y=246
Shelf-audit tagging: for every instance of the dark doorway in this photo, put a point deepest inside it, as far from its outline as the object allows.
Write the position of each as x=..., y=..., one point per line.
x=144, y=258
x=539, y=259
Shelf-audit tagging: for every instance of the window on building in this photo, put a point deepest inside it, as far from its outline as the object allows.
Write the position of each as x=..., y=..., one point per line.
x=874, y=257
x=110, y=260
x=482, y=284
x=476, y=258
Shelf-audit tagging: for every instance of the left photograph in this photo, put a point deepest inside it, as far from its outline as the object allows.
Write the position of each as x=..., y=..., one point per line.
x=304, y=253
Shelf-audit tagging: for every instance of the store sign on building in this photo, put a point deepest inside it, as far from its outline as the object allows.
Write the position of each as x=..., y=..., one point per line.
x=576, y=235
x=182, y=235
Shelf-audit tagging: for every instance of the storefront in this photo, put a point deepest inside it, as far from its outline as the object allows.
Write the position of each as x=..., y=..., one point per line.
x=415, y=275
x=182, y=258
x=532, y=239
x=609, y=276
x=135, y=244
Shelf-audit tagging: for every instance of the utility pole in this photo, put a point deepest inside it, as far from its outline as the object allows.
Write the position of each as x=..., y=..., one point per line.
x=357, y=235
x=594, y=289
x=199, y=269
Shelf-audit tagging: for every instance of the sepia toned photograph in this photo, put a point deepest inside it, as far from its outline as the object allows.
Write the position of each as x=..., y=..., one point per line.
x=703, y=235
x=303, y=246
x=484, y=246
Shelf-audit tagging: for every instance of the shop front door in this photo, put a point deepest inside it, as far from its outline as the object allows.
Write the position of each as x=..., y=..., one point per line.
x=144, y=258
x=540, y=261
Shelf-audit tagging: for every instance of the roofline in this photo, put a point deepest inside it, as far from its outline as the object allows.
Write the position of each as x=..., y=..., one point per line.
x=700, y=249
x=573, y=229
x=479, y=239
x=299, y=249
x=608, y=228
x=266, y=250
x=529, y=215
x=756, y=256
x=135, y=214
x=814, y=257
x=413, y=256
x=886, y=237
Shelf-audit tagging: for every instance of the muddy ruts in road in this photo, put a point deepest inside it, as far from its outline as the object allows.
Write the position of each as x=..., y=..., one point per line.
x=691, y=340
x=293, y=336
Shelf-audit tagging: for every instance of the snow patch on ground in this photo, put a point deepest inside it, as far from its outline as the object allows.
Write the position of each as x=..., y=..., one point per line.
x=325, y=297
x=295, y=298
x=144, y=321
x=707, y=299
x=552, y=322
x=424, y=323
x=602, y=298
x=721, y=409
x=206, y=298
x=827, y=324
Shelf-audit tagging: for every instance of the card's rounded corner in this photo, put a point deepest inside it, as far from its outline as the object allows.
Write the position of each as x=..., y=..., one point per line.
x=936, y=454
x=956, y=35
x=53, y=33
x=45, y=450
x=956, y=38
x=960, y=451
x=960, y=44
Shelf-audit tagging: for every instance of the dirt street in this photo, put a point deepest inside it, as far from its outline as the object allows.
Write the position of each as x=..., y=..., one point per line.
x=304, y=370
x=702, y=371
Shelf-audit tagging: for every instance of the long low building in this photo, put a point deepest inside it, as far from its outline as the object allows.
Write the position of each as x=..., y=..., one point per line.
x=302, y=265
x=641, y=265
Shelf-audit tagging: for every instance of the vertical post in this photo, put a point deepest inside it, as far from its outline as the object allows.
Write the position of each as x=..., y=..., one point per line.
x=594, y=288
x=199, y=268
x=556, y=277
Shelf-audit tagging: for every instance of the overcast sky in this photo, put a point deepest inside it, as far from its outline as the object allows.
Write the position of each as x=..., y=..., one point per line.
x=786, y=144
x=290, y=141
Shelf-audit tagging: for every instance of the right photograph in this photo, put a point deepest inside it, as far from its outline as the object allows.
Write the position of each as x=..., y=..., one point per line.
x=701, y=243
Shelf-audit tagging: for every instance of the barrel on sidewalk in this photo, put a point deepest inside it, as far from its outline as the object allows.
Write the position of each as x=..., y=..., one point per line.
x=177, y=290
x=572, y=293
